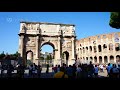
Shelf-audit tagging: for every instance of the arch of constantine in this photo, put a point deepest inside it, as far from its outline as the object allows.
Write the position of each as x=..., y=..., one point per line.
x=33, y=35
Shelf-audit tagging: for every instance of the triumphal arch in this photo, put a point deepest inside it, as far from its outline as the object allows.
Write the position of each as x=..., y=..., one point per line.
x=33, y=35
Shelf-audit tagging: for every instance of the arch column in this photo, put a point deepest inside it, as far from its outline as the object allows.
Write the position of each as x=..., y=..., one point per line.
x=97, y=59
x=37, y=47
x=55, y=62
x=103, y=59
x=22, y=44
x=73, y=48
x=23, y=50
x=108, y=59
x=114, y=59
x=59, y=52
x=37, y=50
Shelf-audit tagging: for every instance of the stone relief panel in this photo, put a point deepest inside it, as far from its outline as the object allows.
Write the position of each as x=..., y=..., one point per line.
x=30, y=41
x=67, y=30
x=67, y=43
x=49, y=29
x=49, y=39
x=31, y=26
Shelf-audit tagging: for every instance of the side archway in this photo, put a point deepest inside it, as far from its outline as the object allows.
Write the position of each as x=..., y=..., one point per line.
x=66, y=57
x=29, y=57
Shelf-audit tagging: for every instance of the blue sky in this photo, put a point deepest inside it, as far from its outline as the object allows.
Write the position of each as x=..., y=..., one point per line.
x=87, y=24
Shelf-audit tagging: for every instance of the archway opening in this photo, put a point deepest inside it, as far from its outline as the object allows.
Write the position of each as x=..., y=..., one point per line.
x=95, y=59
x=80, y=51
x=95, y=50
x=91, y=59
x=29, y=56
x=118, y=58
x=110, y=46
x=87, y=61
x=105, y=59
x=99, y=48
x=104, y=47
x=90, y=48
x=47, y=54
x=117, y=46
x=65, y=57
x=86, y=49
x=111, y=59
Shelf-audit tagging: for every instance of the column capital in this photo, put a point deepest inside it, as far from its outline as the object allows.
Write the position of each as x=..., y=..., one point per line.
x=37, y=37
x=59, y=38
x=22, y=36
x=73, y=38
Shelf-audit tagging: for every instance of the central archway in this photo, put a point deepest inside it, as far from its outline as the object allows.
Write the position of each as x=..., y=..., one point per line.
x=47, y=57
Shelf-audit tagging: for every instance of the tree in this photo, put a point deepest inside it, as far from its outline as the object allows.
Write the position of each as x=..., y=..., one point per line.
x=48, y=57
x=41, y=58
x=115, y=20
x=2, y=55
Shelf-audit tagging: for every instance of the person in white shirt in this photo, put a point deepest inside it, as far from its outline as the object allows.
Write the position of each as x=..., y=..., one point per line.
x=101, y=68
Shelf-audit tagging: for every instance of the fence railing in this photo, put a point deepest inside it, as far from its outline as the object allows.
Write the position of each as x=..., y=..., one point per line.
x=43, y=63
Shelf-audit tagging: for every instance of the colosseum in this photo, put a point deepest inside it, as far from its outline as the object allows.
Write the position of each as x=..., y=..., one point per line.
x=102, y=49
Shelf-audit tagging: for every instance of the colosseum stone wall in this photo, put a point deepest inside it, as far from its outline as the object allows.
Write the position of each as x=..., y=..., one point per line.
x=102, y=49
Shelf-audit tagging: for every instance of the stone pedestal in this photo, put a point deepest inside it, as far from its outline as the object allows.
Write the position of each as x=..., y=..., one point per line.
x=36, y=61
x=71, y=62
x=57, y=62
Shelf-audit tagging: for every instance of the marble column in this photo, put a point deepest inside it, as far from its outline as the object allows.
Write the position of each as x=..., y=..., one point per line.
x=59, y=51
x=22, y=45
x=37, y=47
x=23, y=50
x=58, y=48
x=98, y=59
x=108, y=57
x=73, y=48
x=114, y=59
x=103, y=59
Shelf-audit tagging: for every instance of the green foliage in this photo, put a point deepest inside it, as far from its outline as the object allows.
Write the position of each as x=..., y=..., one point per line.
x=41, y=58
x=115, y=20
x=2, y=55
x=49, y=57
x=9, y=56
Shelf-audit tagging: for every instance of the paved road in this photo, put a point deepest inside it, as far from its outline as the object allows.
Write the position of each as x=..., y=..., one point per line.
x=50, y=75
x=103, y=74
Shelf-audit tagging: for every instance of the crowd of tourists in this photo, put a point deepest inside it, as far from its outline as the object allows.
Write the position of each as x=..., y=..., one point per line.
x=86, y=70
x=72, y=71
x=34, y=70
x=75, y=71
